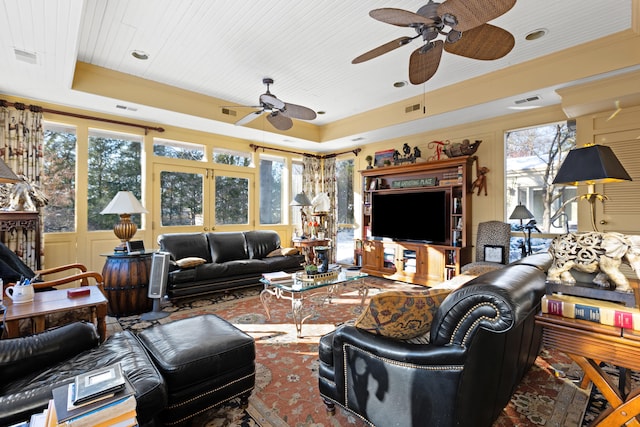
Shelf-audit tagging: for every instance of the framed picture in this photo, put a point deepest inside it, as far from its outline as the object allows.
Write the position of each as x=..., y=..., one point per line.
x=381, y=156
x=493, y=253
x=373, y=185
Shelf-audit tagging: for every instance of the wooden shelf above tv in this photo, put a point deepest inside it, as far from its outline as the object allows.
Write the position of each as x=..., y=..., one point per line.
x=409, y=260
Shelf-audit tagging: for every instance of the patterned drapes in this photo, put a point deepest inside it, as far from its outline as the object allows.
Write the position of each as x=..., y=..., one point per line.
x=21, y=148
x=319, y=175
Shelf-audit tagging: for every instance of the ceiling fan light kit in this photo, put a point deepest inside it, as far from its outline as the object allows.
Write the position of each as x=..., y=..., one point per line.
x=279, y=112
x=462, y=23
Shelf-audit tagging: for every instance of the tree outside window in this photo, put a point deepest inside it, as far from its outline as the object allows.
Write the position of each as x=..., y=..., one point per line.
x=59, y=178
x=114, y=165
x=533, y=158
x=271, y=183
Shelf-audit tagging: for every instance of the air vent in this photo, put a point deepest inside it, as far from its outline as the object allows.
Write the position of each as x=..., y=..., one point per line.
x=124, y=107
x=528, y=99
x=411, y=108
x=24, y=56
x=228, y=112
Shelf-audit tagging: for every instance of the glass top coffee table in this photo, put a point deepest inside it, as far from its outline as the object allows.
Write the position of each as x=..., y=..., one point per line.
x=308, y=293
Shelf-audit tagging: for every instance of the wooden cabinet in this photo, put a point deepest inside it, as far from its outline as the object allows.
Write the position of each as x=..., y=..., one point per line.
x=407, y=258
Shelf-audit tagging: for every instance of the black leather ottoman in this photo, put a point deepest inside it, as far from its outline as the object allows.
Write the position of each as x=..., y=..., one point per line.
x=204, y=360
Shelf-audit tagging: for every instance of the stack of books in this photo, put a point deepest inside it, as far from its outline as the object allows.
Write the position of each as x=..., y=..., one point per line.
x=100, y=398
x=593, y=310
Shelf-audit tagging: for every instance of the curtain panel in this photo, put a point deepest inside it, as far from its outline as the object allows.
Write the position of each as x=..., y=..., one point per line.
x=21, y=148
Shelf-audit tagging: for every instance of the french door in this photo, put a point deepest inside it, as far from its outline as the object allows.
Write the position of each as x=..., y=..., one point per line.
x=196, y=199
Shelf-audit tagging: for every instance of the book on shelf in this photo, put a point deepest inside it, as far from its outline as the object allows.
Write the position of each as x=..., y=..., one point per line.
x=277, y=276
x=96, y=412
x=593, y=310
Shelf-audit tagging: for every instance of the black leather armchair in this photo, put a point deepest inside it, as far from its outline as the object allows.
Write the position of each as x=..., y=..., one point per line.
x=482, y=341
x=31, y=367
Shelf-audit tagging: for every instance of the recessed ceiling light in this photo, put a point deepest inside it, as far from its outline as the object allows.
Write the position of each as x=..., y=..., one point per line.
x=536, y=34
x=401, y=83
x=139, y=54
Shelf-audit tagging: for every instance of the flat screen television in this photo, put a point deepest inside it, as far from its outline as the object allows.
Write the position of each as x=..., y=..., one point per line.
x=420, y=216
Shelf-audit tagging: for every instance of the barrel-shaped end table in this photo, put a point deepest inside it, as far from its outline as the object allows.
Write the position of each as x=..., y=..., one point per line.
x=126, y=282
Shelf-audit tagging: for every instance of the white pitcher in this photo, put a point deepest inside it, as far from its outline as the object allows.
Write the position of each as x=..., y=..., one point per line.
x=20, y=294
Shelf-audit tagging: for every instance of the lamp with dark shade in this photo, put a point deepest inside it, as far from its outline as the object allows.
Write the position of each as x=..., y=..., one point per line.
x=302, y=200
x=124, y=204
x=591, y=165
x=521, y=212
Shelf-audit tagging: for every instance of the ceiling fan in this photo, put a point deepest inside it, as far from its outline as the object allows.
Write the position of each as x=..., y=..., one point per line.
x=463, y=23
x=280, y=113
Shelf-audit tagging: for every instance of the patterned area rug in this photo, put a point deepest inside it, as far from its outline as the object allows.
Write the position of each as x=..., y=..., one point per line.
x=286, y=391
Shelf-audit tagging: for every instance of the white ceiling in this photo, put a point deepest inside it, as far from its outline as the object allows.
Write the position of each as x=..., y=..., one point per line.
x=224, y=48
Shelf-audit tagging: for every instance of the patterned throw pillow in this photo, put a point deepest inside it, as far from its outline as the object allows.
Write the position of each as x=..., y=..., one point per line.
x=190, y=262
x=401, y=314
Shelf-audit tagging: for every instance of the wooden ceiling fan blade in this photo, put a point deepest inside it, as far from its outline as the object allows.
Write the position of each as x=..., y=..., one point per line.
x=280, y=121
x=382, y=49
x=249, y=117
x=472, y=13
x=399, y=17
x=271, y=101
x=486, y=42
x=298, y=112
x=422, y=66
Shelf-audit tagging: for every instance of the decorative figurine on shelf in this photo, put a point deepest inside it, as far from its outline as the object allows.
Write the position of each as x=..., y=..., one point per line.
x=437, y=147
x=464, y=148
x=407, y=156
x=369, y=160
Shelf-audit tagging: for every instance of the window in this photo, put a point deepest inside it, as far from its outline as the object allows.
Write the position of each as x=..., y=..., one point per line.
x=232, y=200
x=533, y=157
x=271, y=194
x=114, y=165
x=59, y=177
x=177, y=149
x=344, y=206
x=230, y=157
x=181, y=198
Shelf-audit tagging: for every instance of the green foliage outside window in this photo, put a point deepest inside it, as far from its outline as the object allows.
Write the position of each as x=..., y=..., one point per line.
x=232, y=195
x=59, y=179
x=114, y=165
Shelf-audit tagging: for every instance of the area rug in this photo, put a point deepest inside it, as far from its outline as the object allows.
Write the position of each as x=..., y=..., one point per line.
x=286, y=391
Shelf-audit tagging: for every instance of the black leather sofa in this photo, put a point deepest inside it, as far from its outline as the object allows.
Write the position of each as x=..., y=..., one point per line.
x=482, y=341
x=31, y=367
x=231, y=260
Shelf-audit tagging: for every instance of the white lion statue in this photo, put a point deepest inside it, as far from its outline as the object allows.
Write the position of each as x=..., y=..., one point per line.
x=595, y=252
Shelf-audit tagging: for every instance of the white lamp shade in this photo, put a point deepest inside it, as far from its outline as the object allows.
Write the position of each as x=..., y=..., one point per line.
x=124, y=203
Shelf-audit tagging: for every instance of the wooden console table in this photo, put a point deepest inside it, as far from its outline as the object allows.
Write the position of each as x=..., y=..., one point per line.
x=589, y=343
x=307, y=246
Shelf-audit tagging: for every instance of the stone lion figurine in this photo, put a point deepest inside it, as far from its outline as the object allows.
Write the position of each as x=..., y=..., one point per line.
x=595, y=252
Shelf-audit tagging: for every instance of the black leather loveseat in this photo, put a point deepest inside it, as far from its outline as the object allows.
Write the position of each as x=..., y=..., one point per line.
x=482, y=341
x=228, y=260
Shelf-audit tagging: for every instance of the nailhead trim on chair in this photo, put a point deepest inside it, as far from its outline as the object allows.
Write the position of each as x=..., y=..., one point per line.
x=480, y=319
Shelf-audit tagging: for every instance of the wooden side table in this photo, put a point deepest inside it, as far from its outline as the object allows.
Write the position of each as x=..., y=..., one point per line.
x=307, y=245
x=55, y=301
x=126, y=282
x=589, y=343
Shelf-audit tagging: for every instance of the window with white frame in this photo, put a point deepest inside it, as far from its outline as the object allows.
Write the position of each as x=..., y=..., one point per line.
x=272, y=180
x=533, y=157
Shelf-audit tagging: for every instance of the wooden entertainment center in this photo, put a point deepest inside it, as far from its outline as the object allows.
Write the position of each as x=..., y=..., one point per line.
x=411, y=260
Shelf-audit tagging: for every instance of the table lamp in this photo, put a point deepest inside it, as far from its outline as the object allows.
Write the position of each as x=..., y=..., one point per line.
x=124, y=204
x=592, y=164
x=521, y=212
x=301, y=200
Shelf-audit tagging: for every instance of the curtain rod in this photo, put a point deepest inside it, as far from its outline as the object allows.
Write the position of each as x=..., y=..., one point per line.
x=37, y=109
x=317, y=156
